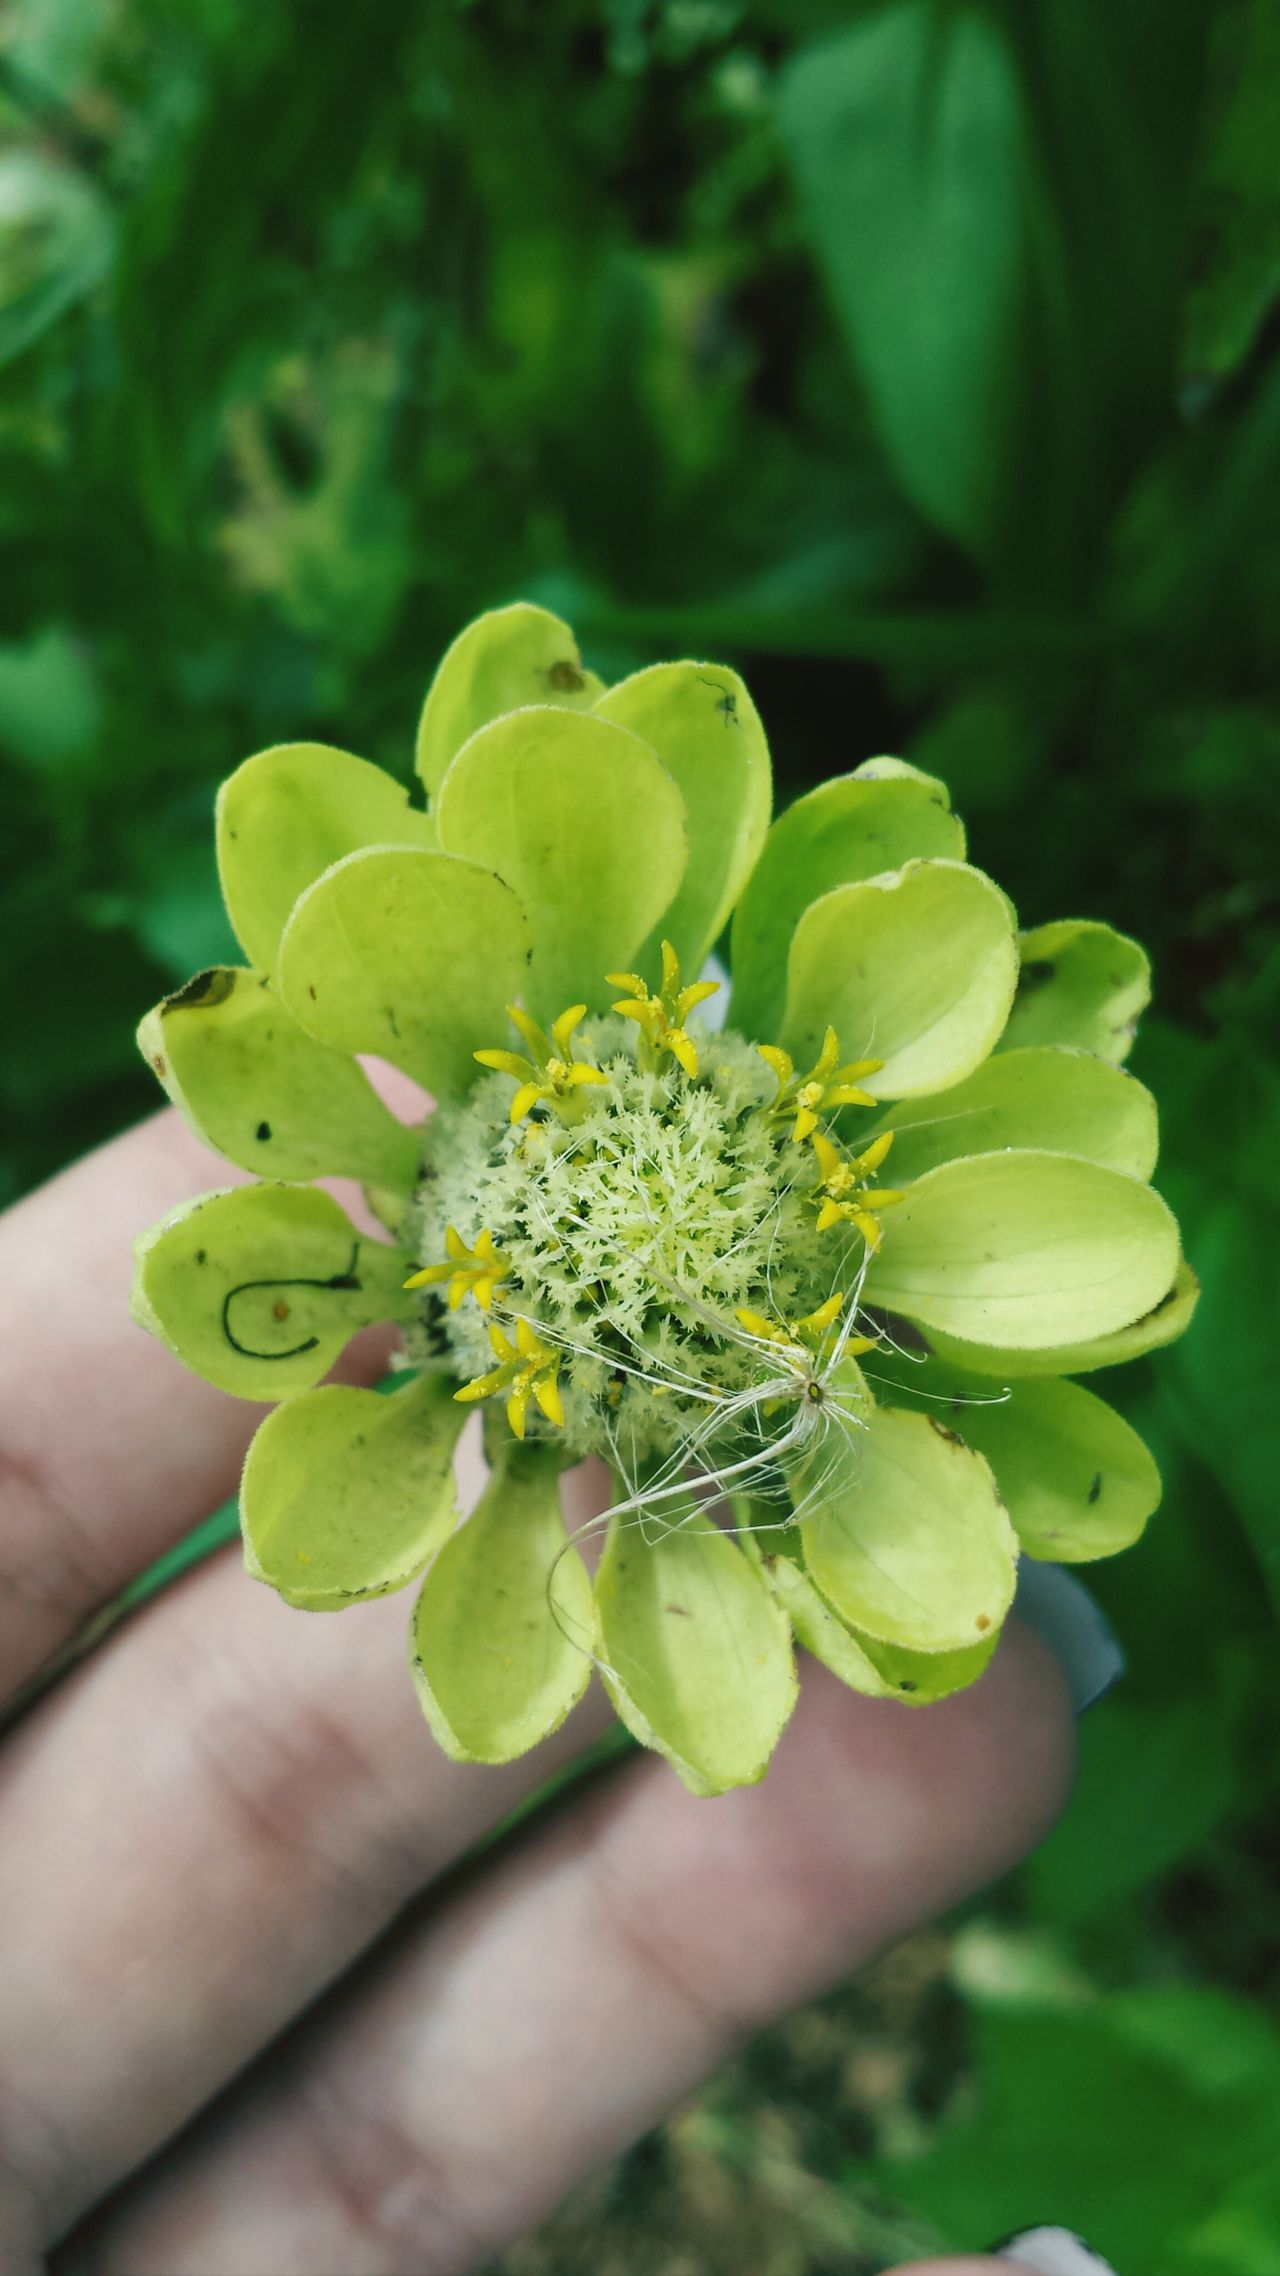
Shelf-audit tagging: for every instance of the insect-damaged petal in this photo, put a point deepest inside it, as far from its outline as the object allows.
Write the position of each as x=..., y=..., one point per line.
x=291, y=812
x=259, y=1288
x=695, y=1652
x=905, y=1534
x=410, y=955
x=503, y=1631
x=253, y=1083
x=346, y=1493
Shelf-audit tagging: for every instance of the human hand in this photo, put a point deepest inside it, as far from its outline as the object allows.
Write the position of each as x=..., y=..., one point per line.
x=225, y=1844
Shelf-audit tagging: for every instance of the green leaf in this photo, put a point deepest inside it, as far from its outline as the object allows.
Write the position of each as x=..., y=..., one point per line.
x=414, y=956
x=706, y=730
x=1026, y=1249
x=907, y=139
x=346, y=1493
x=1163, y=1324
x=503, y=661
x=1081, y=984
x=254, y=1084
x=1076, y=1479
x=502, y=1640
x=917, y=968
x=584, y=824
x=288, y=814
x=905, y=1534
x=879, y=1671
x=882, y=815
x=695, y=1652
x=1067, y=1101
x=260, y=1287
x=57, y=241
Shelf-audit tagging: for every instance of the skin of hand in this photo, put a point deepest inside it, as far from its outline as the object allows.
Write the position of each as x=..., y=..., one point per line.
x=249, y=2019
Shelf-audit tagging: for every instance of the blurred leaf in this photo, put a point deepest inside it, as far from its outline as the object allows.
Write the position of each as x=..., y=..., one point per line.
x=50, y=703
x=1237, y=277
x=56, y=243
x=906, y=135
x=1106, y=2120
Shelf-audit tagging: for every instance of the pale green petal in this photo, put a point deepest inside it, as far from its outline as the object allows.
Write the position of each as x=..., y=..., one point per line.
x=879, y=1671
x=1163, y=1324
x=346, y=1493
x=413, y=956
x=706, y=730
x=1026, y=1248
x=254, y=1084
x=917, y=968
x=695, y=1651
x=504, y=660
x=1067, y=1101
x=586, y=825
x=905, y=1534
x=858, y=826
x=503, y=1632
x=289, y=813
x=1082, y=984
x=1077, y=1481
x=259, y=1288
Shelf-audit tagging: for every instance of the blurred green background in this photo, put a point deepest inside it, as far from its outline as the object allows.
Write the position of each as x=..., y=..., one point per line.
x=920, y=359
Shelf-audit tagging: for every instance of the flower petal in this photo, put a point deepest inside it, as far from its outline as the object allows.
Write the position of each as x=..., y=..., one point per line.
x=1029, y=1249
x=259, y=1288
x=254, y=1084
x=906, y=1536
x=411, y=955
x=1082, y=984
x=857, y=826
x=503, y=661
x=291, y=812
x=706, y=730
x=880, y=1671
x=695, y=1652
x=1162, y=1324
x=346, y=1493
x=585, y=824
x=503, y=1632
x=1041, y=1097
x=918, y=966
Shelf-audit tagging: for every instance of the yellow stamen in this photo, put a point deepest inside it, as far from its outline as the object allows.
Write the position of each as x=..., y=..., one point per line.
x=475, y=1272
x=811, y=1331
x=661, y=1018
x=527, y=1369
x=826, y=1085
x=550, y=1074
x=844, y=1192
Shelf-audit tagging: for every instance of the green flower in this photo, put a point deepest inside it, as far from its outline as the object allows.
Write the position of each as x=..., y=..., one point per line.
x=638, y=1237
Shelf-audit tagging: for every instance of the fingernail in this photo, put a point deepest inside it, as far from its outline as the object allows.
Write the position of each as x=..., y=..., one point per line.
x=1054, y=2252
x=1066, y=1617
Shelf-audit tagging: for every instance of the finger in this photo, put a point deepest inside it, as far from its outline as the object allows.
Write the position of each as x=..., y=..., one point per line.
x=109, y=1449
x=197, y=1832
x=549, y=2012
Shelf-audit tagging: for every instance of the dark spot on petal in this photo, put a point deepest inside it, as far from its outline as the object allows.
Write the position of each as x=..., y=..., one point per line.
x=682, y=1609
x=945, y=1431
x=279, y=1310
x=1095, y=1486
x=263, y=1130
x=311, y=992
x=566, y=678
x=1035, y=975
x=202, y=1256
x=907, y=1684
x=161, y=1065
x=982, y=1623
